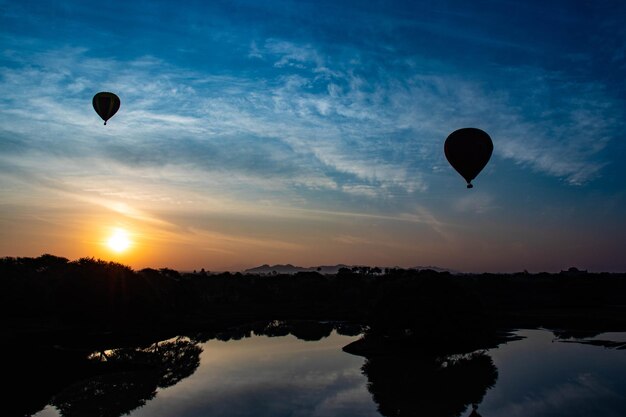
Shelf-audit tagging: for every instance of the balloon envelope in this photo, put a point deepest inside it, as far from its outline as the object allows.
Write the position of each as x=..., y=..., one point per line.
x=468, y=150
x=106, y=105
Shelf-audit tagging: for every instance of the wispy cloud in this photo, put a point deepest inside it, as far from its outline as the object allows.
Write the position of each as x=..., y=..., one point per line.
x=316, y=127
x=478, y=203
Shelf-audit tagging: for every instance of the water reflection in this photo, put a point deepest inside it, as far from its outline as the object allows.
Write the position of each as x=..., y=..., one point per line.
x=306, y=330
x=270, y=376
x=541, y=376
x=413, y=374
x=283, y=368
x=115, y=382
x=104, y=383
x=130, y=378
x=410, y=385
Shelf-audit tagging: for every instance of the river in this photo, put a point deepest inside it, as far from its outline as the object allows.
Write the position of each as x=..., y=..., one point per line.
x=257, y=375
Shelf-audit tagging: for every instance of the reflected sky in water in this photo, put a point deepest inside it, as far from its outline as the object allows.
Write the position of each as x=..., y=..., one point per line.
x=267, y=376
x=539, y=376
x=262, y=376
x=283, y=376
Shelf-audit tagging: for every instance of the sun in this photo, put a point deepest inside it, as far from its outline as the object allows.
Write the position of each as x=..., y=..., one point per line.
x=119, y=241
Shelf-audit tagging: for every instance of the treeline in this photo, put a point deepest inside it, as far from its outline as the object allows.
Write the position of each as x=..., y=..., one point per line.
x=54, y=293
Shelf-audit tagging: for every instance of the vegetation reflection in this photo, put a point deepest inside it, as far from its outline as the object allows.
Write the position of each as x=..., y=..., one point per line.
x=410, y=385
x=129, y=378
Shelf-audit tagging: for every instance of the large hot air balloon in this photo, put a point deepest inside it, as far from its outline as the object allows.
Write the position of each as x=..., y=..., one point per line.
x=106, y=105
x=468, y=150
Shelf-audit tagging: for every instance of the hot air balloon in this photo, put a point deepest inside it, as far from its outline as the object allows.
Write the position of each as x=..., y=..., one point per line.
x=106, y=105
x=468, y=150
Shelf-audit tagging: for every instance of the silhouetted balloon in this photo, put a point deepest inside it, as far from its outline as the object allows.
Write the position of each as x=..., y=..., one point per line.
x=468, y=150
x=106, y=105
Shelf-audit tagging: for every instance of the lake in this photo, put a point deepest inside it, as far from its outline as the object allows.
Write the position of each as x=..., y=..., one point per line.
x=256, y=375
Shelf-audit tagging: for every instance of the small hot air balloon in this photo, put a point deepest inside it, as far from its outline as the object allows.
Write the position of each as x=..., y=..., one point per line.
x=106, y=105
x=468, y=150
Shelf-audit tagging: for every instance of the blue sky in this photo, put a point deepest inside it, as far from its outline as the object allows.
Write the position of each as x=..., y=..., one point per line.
x=312, y=132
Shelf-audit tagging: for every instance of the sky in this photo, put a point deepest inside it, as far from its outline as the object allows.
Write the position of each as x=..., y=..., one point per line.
x=311, y=133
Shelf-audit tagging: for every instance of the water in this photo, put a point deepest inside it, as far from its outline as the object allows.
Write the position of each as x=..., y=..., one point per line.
x=285, y=376
x=542, y=377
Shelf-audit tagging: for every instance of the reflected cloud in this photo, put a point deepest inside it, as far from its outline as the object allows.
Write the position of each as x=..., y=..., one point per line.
x=584, y=396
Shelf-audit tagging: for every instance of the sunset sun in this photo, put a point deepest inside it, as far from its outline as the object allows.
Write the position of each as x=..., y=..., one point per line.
x=119, y=241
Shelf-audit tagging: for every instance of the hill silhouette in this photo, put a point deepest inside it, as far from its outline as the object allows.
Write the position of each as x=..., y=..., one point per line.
x=291, y=269
x=326, y=269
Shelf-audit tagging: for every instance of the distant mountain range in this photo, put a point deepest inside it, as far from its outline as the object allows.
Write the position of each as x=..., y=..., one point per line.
x=323, y=269
x=291, y=269
x=437, y=268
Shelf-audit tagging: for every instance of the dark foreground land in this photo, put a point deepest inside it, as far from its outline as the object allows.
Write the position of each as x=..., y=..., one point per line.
x=57, y=313
x=51, y=298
